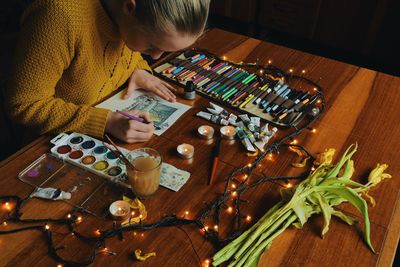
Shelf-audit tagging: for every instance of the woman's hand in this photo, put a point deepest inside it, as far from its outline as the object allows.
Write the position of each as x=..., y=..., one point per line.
x=143, y=79
x=128, y=130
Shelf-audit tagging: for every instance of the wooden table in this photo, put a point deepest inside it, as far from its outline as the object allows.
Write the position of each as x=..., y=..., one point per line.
x=362, y=106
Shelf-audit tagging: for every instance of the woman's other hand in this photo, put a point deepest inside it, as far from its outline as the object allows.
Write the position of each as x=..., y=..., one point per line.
x=142, y=79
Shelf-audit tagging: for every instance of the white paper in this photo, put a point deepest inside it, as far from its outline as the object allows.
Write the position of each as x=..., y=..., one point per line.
x=164, y=113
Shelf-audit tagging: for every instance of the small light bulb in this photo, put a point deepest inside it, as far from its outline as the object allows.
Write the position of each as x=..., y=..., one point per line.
x=5, y=223
x=142, y=235
x=140, y=216
x=295, y=142
x=97, y=232
x=47, y=227
x=303, y=71
x=315, y=89
x=249, y=165
x=269, y=61
x=69, y=216
x=230, y=209
x=319, y=101
x=224, y=57
x=234, y=194
x=186, y=212
x=291, y=70
x=132, y=213
x=314, y=130
x=216, y=227
x=206, y=228
x=312, y=169
x=233, y=186
x=79, y=219
x=248, y=218
x=59, y=265
x=134, y=233
x=288, y=185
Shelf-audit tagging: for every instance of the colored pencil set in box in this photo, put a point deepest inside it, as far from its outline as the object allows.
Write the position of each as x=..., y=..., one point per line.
x=267, y=97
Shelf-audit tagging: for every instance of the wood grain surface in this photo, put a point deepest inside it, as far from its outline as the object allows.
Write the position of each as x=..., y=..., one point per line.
x=362, y=107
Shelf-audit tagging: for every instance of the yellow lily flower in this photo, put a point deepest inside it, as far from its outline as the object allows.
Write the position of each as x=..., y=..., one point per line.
x=377, y=175
x=326, y=157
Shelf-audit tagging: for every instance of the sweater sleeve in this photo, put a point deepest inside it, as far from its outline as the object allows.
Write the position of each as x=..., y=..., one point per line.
x=47, y=46
x=142, y=64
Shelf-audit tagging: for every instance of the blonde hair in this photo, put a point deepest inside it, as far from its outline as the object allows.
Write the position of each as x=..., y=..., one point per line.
x=184, y=16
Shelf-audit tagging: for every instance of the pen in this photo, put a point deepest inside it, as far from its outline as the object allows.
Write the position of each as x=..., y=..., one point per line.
x=130, y=116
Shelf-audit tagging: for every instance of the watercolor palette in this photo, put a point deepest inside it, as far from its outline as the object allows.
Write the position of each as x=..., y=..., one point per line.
x=94, y=156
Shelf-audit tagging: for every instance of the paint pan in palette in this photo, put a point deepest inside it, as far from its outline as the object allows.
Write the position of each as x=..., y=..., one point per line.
x=92, y=155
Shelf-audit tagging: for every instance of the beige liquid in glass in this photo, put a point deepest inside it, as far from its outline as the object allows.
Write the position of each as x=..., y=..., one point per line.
x=145, y=178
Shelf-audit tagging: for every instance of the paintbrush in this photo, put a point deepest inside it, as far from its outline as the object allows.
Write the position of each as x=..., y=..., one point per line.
x=120, y=154
x=216, y=152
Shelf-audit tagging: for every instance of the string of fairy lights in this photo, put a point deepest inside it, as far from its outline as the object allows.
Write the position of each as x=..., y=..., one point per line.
x=208, y=220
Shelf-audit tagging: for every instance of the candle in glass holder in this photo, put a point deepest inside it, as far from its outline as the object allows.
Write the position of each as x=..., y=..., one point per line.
x=206, y=132
x=120, y=210
x=185, y=151
x=228, y=132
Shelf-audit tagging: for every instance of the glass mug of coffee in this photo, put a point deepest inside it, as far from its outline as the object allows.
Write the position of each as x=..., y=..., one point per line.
x=144, y=177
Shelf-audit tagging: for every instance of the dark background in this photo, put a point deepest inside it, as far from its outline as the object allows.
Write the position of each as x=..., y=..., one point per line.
x=360, y=32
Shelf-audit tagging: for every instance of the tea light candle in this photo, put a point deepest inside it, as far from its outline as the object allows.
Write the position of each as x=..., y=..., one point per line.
x=228, y=132
x=185, y=151
x=206, y=132
x=120, y=210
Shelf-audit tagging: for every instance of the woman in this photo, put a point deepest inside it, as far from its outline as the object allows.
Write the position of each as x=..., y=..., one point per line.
x=73, y=53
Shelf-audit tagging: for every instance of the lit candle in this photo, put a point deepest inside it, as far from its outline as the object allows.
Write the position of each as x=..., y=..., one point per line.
x=228, y=132
x=185, y=151
x=206, y=132
x=120, y=210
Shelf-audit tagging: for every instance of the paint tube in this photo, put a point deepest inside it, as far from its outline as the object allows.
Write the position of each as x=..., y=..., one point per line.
x=232, y=118
x=213, y=118
x=245, y=118
x=255, y=121
x=250, y=135
x=264, y=129
x=245, y=140
x=50, y=193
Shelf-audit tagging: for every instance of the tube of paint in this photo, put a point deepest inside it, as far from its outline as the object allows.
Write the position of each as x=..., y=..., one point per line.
x=50, y=193
x=244, y=139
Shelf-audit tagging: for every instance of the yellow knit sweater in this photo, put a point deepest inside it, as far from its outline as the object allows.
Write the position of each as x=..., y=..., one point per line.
x=69, y=57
